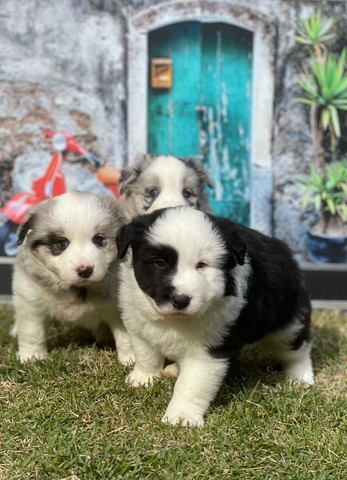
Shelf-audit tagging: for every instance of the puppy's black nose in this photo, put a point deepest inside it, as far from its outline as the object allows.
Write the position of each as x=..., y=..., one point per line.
x=84, y=272
x=180, y=301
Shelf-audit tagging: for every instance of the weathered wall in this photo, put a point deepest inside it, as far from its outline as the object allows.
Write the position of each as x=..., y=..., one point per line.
x=61, y=66
x=64, y=65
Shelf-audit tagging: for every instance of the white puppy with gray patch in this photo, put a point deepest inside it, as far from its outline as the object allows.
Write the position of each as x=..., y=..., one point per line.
x=154, y=182
x=66, y=270
x=196, y=289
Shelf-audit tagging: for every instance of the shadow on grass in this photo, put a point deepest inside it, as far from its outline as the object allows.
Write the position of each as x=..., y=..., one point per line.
x=255, y=367
x=327, y=346
x=61, y=336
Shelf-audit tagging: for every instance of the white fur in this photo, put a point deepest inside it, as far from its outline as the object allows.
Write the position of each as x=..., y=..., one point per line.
x=297, y=364
x=44, y=285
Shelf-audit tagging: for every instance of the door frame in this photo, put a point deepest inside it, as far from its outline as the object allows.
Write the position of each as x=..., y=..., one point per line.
x=141, y=22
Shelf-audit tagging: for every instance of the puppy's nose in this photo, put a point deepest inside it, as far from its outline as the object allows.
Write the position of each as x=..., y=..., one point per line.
x=180, y=301
x=84, y=272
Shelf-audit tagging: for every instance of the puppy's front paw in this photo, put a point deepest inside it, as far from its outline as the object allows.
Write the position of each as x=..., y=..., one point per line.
x=32, y=355
x=137, y=378
x=126, y=357
x=183, y=417
x=172, y=370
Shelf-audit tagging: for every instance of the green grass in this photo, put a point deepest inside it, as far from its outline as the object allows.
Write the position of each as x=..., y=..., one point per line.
x=73, y=417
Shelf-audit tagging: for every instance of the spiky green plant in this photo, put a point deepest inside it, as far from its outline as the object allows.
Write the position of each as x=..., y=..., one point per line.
x=324, y=85
x=315, y=32
x=327, y=191
x=324, y=81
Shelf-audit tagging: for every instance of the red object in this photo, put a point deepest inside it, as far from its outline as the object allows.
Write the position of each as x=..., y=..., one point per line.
x=110, y=177
x=51, y=184
x=16, y=208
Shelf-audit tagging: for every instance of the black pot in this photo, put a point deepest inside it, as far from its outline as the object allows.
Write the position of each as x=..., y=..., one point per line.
x=322, y=248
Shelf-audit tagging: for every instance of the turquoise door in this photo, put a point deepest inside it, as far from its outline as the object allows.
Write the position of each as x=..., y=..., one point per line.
x=206, y=112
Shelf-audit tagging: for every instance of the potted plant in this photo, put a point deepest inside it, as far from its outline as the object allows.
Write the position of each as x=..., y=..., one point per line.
x=324, y=85
x=327, y=191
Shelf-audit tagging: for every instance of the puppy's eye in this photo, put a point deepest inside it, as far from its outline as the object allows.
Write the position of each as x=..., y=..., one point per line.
x=99, y=240
x=201, y=265
x=153, y=192
x=187, y=193
x=62, y=243
x=57, y=246
x=160, y=263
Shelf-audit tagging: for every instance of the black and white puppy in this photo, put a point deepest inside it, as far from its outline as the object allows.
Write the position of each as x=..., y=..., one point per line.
x=154, y=182
x=66, y=269
x=196, y=288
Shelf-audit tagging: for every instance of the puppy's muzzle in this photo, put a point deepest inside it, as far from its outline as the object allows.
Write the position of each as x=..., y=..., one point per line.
x=84, y=271
x=180, y=301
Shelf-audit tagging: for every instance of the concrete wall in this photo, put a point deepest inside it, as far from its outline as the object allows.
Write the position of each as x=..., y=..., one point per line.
x=62, y=65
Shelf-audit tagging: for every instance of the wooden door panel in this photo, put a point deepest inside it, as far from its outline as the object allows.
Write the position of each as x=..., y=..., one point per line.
x=207, y=111
x=173, y=128
x=225, y=121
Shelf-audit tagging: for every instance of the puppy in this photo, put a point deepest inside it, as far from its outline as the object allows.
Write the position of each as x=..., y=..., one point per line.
x=196, y=289
x=157, y=182
x=65, y=268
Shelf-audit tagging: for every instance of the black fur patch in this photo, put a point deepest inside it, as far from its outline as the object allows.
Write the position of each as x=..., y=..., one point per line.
x=25, y=227
x=154, y=268
x=53, y=241
x=81, y=293
x=276, y=295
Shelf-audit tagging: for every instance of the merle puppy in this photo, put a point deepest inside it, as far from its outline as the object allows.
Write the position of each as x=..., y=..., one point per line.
x=153, y=182
x=66, y=269
x=196, y=288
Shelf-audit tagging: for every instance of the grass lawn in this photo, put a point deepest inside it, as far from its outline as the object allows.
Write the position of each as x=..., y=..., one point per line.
x=73, y=417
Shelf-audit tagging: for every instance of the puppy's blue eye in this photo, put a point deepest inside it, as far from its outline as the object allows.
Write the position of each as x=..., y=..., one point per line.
x=57, y=245
x=62, y=243
x=153, y=192
x=187, y=193
x=99, y=240
x=201, y=265
x=160, y=263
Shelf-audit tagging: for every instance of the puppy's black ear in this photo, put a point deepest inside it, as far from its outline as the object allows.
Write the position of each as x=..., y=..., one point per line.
x=133, y=233
x=238, y=248
x=25, y=227
x=235, y=244
x=123, y=239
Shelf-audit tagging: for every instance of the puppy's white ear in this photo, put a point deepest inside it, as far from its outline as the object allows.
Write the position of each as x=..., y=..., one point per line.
x=114, y=208
x=27, y=225
x=203, y=174
x=130, y=174
x=127, y=176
